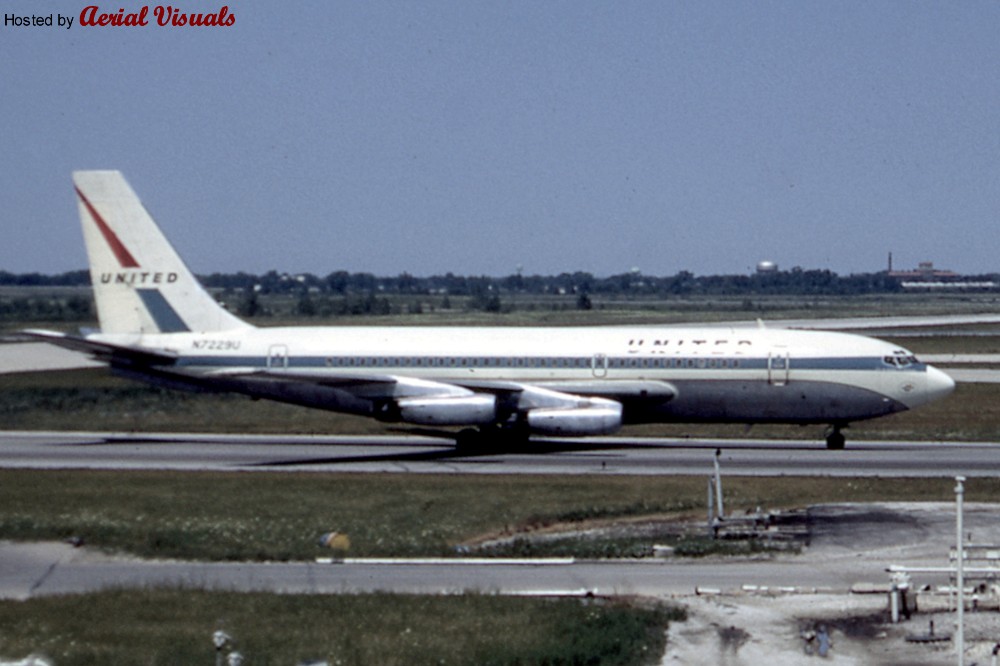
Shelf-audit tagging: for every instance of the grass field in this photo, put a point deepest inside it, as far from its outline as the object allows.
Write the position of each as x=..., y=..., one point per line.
x=173, y=627
x=280, y=516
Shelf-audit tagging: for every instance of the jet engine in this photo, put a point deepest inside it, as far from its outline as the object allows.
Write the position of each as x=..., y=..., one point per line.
x=477, y=409
x=602, y=417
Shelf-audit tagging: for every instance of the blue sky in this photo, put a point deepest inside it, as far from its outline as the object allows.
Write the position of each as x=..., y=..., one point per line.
x=553, y=136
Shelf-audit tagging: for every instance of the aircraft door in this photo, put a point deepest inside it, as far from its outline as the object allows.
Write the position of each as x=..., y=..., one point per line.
x=599, y=365
x=277, y=357
x=777, y=367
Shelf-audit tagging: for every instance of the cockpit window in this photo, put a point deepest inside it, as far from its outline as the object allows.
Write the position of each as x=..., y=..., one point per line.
x=900, y=359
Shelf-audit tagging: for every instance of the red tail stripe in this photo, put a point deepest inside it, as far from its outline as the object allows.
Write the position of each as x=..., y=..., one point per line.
x=125, y=257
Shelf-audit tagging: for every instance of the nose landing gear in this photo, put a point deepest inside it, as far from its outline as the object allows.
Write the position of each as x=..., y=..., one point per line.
x=835, y=439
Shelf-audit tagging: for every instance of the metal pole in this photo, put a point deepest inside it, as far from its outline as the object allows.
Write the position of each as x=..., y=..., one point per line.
x=711, y=502
x=959, y=570
x=711, y=519
x=718, y=484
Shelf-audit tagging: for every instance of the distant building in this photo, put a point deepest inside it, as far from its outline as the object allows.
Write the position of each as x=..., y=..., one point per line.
x=928, y=278
x=925, y=272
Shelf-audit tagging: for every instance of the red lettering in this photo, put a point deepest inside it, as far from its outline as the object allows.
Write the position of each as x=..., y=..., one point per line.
x=87, y=15
x=166, y=15
x=90, y=17
x=169, y=15
x=137, y=19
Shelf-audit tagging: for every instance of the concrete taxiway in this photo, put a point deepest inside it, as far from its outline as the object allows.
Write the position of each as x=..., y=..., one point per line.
x=606, y=455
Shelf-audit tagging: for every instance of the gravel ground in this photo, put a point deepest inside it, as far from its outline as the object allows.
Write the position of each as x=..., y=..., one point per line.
x=739, y=627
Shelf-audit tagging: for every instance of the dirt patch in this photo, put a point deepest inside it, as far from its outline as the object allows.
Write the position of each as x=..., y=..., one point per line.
x=731, y=638
x=637, y=536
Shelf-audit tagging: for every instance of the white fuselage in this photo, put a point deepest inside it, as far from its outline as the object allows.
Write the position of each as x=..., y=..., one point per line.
x=681, y=373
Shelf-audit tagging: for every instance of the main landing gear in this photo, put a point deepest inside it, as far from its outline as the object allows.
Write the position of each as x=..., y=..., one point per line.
x=835, y=439
x=491, y=439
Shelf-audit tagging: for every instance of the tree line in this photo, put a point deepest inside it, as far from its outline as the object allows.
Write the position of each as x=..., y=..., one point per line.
x=343, y=293
x=683, y=283
x=796, y=281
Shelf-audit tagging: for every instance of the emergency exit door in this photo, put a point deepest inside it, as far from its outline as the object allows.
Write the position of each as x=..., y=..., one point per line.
x=777, y=367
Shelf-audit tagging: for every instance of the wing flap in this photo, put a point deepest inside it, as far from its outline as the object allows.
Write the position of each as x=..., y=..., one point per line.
x=368, y=386
x=621, y=390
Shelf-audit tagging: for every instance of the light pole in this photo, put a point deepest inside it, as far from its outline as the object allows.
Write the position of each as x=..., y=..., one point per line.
x=959, y=570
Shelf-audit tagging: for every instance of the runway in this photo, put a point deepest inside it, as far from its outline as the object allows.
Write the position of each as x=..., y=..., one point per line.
x=426, y=455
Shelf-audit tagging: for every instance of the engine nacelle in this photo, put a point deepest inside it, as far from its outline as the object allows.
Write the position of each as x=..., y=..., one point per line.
x=601, y=419
x=449, y=410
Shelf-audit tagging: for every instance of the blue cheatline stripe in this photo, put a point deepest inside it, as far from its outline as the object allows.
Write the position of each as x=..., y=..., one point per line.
x=166, y=318
x=615, y=364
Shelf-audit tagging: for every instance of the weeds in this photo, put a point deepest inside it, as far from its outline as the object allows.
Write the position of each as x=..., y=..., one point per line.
x=153, y=627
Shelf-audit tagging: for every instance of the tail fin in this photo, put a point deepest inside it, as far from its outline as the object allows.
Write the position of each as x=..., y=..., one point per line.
x=140, y=284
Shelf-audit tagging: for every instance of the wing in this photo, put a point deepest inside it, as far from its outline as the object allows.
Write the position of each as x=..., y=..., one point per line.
x=552, y=408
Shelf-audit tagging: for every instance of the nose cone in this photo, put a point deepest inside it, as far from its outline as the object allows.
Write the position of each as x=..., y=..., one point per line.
x=939, y=384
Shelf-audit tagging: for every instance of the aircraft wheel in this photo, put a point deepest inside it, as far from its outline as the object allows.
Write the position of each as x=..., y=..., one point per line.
x=835, y=440
x=468, y=439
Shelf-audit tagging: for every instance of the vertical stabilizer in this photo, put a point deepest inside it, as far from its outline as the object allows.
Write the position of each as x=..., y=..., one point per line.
x=140, y=284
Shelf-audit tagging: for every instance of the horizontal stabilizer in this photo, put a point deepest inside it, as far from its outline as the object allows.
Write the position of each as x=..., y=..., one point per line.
x=104, y=351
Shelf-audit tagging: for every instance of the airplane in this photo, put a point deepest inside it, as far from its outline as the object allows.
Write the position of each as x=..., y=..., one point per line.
x=498, y=384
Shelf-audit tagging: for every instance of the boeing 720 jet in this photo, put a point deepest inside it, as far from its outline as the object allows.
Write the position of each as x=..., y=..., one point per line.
x=157, y=324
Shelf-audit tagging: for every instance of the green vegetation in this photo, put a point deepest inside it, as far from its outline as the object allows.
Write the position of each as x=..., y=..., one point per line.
x=279, y=516
x=154, y=627
x=575, y=299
